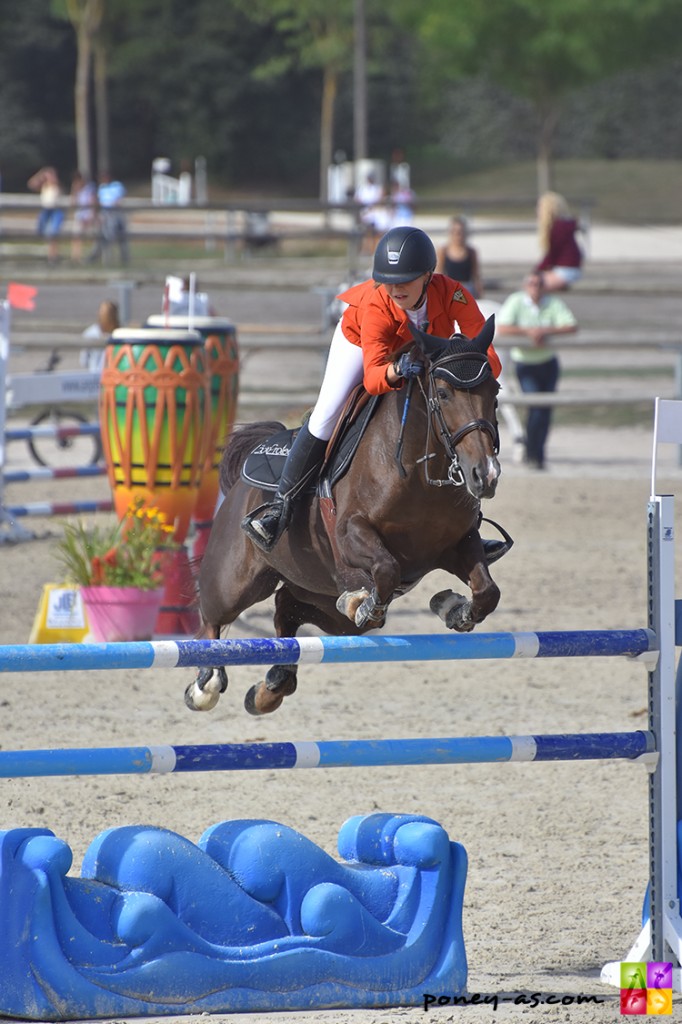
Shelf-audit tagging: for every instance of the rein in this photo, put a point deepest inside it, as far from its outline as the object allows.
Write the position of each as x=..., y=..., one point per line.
x=450, y=441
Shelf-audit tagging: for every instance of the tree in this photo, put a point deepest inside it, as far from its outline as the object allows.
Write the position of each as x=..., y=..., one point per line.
x=86, y=18
x=316, y=35
x=542, y=50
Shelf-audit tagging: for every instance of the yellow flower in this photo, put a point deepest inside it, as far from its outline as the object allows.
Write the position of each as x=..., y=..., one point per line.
x=132, y=553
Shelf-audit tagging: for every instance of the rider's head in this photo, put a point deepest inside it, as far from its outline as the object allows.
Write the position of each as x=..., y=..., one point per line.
x=403, y=255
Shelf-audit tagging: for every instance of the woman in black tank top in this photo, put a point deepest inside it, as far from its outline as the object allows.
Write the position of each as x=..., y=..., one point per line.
x=459, y=260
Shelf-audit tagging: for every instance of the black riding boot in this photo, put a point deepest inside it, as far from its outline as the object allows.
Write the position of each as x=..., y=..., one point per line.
x=266, y=524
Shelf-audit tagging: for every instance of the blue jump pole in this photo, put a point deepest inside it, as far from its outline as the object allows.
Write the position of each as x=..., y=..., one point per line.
x=328, y=649
x=225, y=757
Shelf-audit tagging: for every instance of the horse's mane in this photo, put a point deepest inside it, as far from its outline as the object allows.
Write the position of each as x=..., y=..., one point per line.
x=243, y=438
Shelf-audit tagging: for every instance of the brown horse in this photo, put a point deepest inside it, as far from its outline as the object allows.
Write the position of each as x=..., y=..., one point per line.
x=408, y=504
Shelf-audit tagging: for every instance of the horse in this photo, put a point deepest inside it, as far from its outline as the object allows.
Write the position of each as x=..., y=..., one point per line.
x=408, y=504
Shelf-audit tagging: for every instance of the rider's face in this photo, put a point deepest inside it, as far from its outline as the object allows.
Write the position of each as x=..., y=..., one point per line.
x=407, y=294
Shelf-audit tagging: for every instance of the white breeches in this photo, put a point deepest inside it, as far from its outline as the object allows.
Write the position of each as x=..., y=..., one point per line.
x=343, y=371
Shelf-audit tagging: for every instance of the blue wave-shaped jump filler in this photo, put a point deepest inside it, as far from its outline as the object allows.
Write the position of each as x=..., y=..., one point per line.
x=253, y=917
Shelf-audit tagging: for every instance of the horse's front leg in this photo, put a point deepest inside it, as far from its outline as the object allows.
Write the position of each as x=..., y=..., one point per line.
x=467, y=561
x=362, y=547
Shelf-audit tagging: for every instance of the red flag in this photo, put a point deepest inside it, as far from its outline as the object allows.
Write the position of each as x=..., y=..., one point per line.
x=21, y=296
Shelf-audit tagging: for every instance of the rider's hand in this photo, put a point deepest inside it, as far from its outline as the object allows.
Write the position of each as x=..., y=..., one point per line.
x=407, y=366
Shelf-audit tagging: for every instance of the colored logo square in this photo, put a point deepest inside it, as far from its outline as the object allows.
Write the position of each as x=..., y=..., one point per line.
x=659, y=975
x=633, y=975
x=659, y=1000
x=633, y=1000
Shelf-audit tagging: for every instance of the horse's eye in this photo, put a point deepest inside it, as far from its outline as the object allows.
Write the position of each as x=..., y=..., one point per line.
x=443, y=394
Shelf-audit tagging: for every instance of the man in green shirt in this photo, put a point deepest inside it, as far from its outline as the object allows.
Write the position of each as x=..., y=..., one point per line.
x=535, y=317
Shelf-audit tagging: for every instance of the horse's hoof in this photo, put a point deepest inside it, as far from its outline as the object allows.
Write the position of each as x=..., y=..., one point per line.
x=202, y=694
x=281, y=679
x=370, y=612
x=261, y=701
x=197, y=699
x=452, y=608
x=350, y=601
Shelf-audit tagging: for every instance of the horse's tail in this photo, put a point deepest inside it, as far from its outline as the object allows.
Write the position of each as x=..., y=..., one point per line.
x=244, y=437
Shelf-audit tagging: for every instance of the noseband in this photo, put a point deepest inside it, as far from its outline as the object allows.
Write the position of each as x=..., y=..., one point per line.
x=469, y=370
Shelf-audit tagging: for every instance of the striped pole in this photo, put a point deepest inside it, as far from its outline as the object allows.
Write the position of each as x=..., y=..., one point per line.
x=227, y=757
x=18, y=476
x=326, y=649
x=57, y=508
x=27, y=433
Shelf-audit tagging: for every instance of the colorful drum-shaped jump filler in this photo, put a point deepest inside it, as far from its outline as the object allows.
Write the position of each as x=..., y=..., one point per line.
x=222, y=366
x=153, y=401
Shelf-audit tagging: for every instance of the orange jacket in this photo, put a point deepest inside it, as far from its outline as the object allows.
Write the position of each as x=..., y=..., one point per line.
x=380, y=328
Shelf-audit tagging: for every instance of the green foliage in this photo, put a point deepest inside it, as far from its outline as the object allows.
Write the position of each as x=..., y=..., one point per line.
x=240, y=83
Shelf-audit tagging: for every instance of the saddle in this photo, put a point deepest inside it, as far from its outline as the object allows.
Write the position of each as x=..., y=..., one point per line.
x=263, y=466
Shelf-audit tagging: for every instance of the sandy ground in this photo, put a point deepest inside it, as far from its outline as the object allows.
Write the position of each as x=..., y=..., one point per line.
x=557, y=853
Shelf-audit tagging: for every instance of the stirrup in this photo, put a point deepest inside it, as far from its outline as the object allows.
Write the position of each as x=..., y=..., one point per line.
x=254, y=529
x=495, y=549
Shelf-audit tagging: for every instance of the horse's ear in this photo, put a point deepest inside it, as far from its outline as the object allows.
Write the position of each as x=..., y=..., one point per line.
x=484, y=338
x=427, y=343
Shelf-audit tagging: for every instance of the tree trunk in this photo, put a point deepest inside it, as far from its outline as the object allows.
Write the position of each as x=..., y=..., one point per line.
x=549, y=118
x=329, y=89
x=81, y=101
x=102, y=107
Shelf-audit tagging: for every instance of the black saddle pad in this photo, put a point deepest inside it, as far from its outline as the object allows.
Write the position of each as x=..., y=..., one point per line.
x=263, y=466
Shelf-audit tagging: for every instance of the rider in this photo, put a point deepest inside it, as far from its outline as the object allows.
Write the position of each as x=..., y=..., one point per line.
x=375, y=325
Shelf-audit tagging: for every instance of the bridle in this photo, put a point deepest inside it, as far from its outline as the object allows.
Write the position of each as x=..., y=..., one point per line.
x=475, y=372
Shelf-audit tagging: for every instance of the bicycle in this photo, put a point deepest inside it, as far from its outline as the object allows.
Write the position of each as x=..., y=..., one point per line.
x=59, y=450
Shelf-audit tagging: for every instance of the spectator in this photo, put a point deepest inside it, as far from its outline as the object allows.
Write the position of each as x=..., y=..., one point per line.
x=112, y=219
x=562, y=259
x=373, y=214
x=459, y=260
x=84, y=207
x=51, y=216
x=402, y=205
x=181, y=296
x=107, y=322
x=536, y=317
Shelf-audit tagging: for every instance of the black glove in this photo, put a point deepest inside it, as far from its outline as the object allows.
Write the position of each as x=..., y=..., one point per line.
x=407, y=366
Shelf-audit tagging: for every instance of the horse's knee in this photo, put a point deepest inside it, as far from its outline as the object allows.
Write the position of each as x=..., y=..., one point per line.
x=203, y=692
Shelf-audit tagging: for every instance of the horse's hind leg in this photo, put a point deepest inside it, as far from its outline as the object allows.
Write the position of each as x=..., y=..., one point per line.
x=203, y=692
x=232, y=579
x=280, y=680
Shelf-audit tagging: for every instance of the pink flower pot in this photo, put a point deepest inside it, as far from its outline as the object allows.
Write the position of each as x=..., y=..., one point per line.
x=121, y=613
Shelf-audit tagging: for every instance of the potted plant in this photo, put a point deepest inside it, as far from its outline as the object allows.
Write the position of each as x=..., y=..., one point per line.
x=120, y=571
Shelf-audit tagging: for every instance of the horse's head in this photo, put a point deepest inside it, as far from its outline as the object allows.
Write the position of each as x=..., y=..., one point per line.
x=462, y=396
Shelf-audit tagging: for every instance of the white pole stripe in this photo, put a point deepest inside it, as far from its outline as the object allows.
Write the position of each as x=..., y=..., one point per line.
x=526, y=645
x=524, y=748
x=312, y=650
x=307, y=755
x=166, y=654
x=163, y=759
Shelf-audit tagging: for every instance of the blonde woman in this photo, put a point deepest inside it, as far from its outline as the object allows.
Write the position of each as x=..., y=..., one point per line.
x=561, y=264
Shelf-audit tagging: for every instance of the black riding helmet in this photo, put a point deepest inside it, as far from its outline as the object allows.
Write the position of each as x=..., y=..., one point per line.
x=402, y=255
